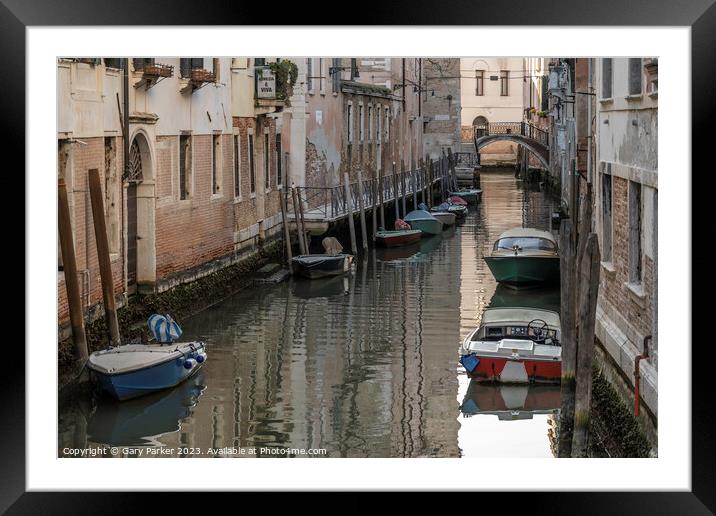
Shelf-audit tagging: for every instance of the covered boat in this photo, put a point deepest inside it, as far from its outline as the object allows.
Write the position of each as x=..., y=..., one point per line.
x=470, y=195
x=321, y=265
x=514, y=345
x=459, y=210
x=524, y=256
x=456, y=199
x=443, y=215
x=133, y=370
x=424, y=221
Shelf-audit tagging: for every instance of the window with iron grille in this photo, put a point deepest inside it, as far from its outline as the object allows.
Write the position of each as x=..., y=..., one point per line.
x=480, y=82
x=606, y=78
x=112, y=62
x=237, y=165
x=259, y=61
x=504, y=83
x=370, y=123
x=635, y=76
x=252, y=164
x=387, y=124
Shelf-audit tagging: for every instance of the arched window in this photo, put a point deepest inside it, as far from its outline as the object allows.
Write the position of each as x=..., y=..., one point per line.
x=480, y=125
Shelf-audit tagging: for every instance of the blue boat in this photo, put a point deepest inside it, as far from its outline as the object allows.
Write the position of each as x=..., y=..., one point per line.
x=133, y=370
x=424, y=221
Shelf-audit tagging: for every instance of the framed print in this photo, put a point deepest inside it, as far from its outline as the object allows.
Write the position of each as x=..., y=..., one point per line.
x=433, y=266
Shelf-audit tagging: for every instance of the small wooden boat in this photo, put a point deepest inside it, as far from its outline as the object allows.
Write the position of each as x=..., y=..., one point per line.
x=514, y=345
x=321, y=265
x=424, y=221
x=133, y=370
x=471, y=195
x=525, y=256
x=397, y=237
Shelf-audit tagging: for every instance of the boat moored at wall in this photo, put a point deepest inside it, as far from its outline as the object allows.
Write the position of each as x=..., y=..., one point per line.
x=525, y=256
x=321, y=265
x=424, y=221
x=514, y=345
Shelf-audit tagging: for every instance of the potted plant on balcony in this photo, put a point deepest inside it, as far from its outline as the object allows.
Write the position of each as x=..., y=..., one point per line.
x=286, y=73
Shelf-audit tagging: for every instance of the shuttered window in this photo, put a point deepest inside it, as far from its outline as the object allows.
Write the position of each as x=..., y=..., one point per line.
x=187, y=64
x=336, y=75
x=140, y=62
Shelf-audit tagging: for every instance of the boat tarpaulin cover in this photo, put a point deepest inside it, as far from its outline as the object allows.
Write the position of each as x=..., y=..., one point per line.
x=400, y=225
x=164, y=328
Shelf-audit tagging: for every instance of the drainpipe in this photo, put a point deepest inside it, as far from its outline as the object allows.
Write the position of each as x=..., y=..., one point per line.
x=125, y=114
x=637, y=376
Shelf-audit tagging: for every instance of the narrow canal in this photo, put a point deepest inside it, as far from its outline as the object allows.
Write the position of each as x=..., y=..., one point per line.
x=364, y=365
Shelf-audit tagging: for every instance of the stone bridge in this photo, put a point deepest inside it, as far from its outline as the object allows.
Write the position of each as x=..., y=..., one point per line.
x=532, y=138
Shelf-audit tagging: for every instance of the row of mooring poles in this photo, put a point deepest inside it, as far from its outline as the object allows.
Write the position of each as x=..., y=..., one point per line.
x=579, y=267
x=69, y=264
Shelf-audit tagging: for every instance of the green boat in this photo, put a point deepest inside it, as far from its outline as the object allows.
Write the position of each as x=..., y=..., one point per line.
x=525, y=256
x=424, y=221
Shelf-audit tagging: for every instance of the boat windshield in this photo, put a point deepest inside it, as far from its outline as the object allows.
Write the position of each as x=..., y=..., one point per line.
x=510, y=243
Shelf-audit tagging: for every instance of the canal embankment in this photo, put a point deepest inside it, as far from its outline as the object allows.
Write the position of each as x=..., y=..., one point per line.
x=182, y=300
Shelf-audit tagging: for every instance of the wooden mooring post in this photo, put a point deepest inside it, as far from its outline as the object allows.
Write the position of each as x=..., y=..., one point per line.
x=569, y=341
x=297, y=216
x=396, y=199
x=105, y=264
x=380, y=198
x=69, y=266
x=286, y=232
x=414, y=181
x=402, y=185
x=374, y=190
x=588, y=288
x=364, y=230
x=349, y=209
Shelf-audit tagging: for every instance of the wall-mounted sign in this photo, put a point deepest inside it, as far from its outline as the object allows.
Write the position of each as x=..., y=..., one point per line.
x=442, y=117
x=265, y=83
x=319, y=117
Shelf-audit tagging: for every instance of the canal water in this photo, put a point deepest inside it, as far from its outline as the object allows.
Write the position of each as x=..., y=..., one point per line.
x=364, y=365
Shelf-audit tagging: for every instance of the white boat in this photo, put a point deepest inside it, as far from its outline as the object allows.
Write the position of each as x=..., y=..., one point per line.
x=514, y=345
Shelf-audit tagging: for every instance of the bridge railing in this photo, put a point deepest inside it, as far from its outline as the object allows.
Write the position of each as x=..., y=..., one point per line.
x=522, y=128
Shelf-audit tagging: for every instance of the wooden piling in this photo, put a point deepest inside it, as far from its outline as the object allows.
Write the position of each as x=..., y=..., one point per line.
x=414, y=178
x=569, y=341
x=588, y=277
x=286, y=232
x=374, y=190
x=105, y=264
x=69, y=266
x=297, y=216
x=430, y=181
x=451, y=168
x=364, y=231
x=395, y=193
x=380, y=198
x=304, y=233
x=402, y=185
x=351, y=224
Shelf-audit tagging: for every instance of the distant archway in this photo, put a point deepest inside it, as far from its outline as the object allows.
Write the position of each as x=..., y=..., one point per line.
x=480, y=126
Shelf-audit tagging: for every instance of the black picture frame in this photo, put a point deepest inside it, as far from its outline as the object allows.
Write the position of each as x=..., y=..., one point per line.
x=16, y=15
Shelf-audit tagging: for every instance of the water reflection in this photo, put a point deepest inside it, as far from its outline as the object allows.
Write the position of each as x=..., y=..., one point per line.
x=362, y=365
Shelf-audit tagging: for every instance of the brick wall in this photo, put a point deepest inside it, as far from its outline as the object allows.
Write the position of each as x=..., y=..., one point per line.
x=83, y=158
x=199, y=229
x=613, y=283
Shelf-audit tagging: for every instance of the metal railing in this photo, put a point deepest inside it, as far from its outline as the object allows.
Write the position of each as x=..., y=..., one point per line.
x=328, y=203
x=522, y=128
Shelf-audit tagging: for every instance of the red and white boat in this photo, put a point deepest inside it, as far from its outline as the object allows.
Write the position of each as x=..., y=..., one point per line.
x=514, y=345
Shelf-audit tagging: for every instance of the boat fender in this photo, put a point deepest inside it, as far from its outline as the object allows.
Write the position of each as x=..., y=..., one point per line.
x=189, y=363
x=200, y=358
x=469, y=362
